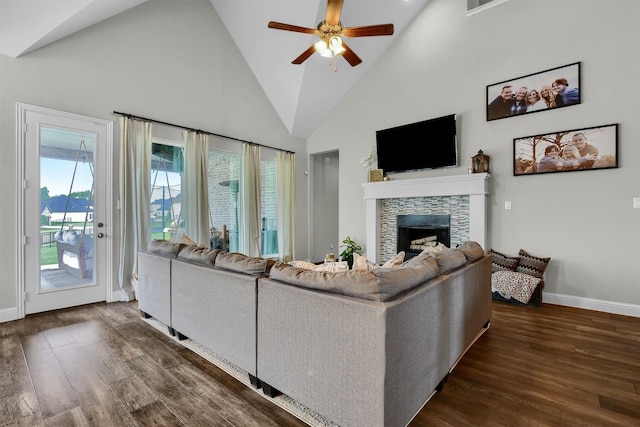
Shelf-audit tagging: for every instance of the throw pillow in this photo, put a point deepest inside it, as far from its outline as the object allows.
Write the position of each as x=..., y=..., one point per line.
x=502, y=262
x=333, y=267
x=395, y=261
x=305, y=265
x=531, y=265
x=511, y=284
x=360, y=263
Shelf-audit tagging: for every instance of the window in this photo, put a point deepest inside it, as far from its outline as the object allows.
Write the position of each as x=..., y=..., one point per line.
x=224, y=186
x=225, y=205
x=167, y=165
x=268, y=206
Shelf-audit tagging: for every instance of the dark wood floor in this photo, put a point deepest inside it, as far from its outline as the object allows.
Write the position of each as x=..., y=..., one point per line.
x=101, y=365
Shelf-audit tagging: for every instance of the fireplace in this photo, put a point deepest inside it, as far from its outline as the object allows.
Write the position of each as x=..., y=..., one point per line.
x=418, y=232
x=470, y=189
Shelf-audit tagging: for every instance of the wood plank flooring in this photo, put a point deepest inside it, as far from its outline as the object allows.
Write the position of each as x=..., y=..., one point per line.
x=102, y=365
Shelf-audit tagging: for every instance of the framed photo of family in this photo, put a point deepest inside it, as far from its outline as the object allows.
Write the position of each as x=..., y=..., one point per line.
x=567, y=151
x=555, y=88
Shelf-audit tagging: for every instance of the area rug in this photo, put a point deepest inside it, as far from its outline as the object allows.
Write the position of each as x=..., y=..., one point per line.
x=285, y=402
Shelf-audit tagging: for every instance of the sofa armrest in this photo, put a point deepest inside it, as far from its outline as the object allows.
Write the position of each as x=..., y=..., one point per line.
x=154, y=286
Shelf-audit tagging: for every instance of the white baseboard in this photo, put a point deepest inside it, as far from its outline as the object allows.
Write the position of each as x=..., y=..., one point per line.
x=8, y=314
x=592, y=304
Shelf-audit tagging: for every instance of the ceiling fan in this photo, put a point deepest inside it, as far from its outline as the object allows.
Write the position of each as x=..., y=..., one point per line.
x=331, y=32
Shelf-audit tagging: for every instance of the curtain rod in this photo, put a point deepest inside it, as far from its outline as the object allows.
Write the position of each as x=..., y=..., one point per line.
x=131, y=116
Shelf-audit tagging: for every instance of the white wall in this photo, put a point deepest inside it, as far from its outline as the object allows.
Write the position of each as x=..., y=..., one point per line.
x=160, y=60
x=442, y=64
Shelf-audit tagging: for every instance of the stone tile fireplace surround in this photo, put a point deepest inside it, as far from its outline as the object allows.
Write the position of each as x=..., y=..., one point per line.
x=464, y=197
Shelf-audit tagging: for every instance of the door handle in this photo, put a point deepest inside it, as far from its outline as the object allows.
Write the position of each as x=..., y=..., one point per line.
x=100, y=224
x=100, y=235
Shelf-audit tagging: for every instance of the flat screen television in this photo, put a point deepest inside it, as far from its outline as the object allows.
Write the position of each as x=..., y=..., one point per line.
x=430, y=144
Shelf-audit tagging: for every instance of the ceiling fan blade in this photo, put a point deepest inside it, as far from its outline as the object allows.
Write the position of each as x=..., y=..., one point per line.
x=334, y=9
x=369, y=30
x=289, y=27
x=350, y=56
x=304, y=55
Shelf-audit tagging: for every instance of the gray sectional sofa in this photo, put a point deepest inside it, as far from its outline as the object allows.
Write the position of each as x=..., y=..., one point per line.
x=361, y=348
x=206, y=295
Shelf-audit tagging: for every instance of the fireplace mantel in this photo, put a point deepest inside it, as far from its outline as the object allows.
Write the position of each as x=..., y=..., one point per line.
x=476, y=186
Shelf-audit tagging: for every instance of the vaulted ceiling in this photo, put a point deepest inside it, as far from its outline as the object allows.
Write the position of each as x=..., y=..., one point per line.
x=301, y=94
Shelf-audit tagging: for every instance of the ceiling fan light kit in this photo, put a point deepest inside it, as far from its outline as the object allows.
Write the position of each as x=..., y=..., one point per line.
x=331, y=32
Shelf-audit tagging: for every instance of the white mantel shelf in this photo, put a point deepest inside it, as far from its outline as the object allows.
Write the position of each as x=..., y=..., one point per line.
x=476, y=186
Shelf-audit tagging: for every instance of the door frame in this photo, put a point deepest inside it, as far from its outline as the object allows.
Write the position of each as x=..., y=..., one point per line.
x=21, y=184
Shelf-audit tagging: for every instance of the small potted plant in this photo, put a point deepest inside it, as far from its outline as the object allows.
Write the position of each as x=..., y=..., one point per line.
x=351, y=247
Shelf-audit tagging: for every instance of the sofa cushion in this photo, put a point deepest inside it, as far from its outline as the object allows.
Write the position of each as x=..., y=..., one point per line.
x=165, y=248
x=241, y=263
x=199, y=255
x=472, y=250
x=511, y=284
x=378, y=285
x=502, y=262
x=449, y=260
x=531, y=265
x=394, y=281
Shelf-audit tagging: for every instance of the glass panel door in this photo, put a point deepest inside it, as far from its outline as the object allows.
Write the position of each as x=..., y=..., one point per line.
x=66, y=215
x=65, y=208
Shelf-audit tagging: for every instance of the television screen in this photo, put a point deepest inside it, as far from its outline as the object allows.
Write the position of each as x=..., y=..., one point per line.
x=429, y=144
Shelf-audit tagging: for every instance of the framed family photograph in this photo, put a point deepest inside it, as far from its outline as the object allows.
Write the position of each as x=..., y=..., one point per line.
x=546, y=90
x=567, y=151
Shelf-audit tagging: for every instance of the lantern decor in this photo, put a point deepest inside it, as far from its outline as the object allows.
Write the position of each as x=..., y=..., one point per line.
x=480, y=163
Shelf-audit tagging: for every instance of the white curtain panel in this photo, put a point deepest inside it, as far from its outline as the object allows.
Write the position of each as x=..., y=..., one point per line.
x=195, y=210
x=286, y=200
x=250, y=231
x=135, y=185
